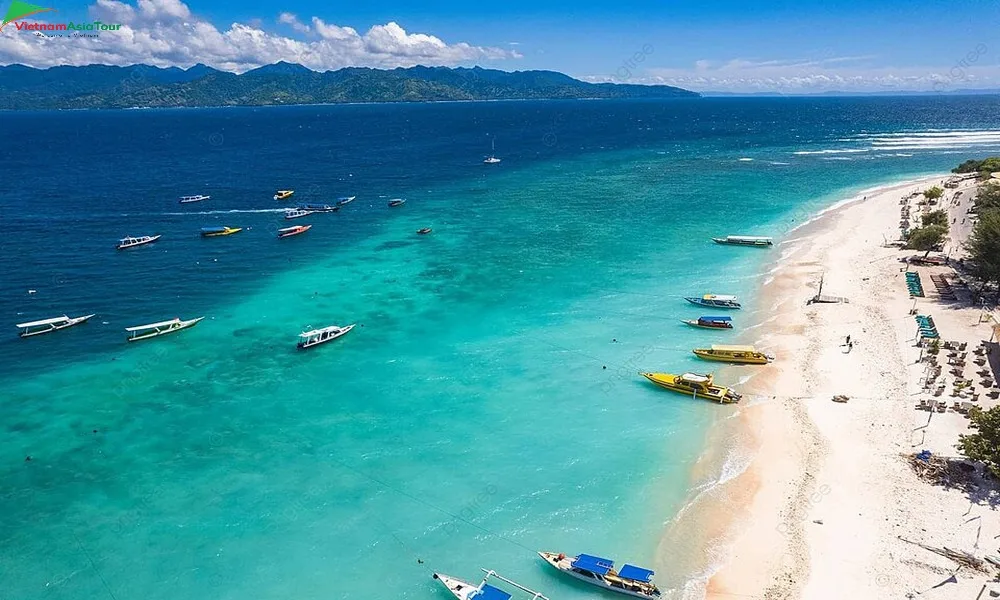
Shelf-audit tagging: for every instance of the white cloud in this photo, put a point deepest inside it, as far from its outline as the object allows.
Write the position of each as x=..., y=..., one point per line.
x=832, y=73
x=167, y=33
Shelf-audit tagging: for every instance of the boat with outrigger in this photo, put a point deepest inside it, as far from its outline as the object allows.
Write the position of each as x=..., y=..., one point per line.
x=745, y=355
x=190, y=199
x=131, y=242
x=715, y=301
x=629, y=580
x=745, y=240
x=295, y=213
x=320, y=207
x=463, y=590
x=316, y=337
x=710, y=322
x=696, y=385
x=219, y=231
x=33, y=328
x=145, y=332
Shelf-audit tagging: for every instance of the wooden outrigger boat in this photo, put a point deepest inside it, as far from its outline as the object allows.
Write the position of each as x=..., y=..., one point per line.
x=484, y=591
x=745, y=240
x=629, y=580
x=190, y=199
x=711, y=322
x=145, y=332
x=282, y=194
x=217, y=231
x=747, y=355
x=321, y=336
x=694, y=384
x=715, y=301
x=49, y=325
x=131, y=242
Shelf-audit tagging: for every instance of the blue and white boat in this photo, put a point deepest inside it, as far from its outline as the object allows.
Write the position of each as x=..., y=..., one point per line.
x=484, y=591
x=629, y=580
x=715, y=301
x=345, y=200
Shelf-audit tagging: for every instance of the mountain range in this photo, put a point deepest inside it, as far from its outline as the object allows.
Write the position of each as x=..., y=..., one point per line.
x=103, y=86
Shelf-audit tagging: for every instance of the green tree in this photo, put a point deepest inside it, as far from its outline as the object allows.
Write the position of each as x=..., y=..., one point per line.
x=984, y=445
x=983, y=246
x=933, y=193
x=988, y=197
x=991, y=164
x=926, y=238
x=935, y=217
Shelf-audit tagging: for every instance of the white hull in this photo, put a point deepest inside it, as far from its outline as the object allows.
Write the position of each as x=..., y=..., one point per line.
x=163, y=330
x=565, y=565
x=458, y=588
x=316, y=341
x=57, y=327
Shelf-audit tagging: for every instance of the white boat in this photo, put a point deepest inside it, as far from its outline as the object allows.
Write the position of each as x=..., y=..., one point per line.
x=397, y=202
x=345, y=200
x=629, y=580
x=321, y=336
x=484, y=591
x=131, y=242
x=295, y=213
x=50, y=325
x=745, y=240
x=189, y=199
x=715, y=301
x=492, y=158
x=144, y=332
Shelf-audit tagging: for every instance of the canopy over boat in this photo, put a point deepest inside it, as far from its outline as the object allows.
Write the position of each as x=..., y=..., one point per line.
x=214, y=229
x=635, y=573
x=724, y=348
x=718, y=297
x=52, y=321
x=594, y=564
x=723, y=319
x=696, y=378
x=153, y=325
x=748, y=238
x=315, y=332
x=488, y=592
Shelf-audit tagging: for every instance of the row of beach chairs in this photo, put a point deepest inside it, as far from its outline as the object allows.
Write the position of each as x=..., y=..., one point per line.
x=914, y=285
x=927, y=328
x=944, y=288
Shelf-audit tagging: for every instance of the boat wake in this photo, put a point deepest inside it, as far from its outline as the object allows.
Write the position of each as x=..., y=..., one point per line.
x=220, y=212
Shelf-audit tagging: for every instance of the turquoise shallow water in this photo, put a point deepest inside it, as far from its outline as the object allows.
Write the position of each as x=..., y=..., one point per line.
x=469, y=420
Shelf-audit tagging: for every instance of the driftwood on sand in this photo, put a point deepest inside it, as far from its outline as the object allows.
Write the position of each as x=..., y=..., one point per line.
x=963, y=558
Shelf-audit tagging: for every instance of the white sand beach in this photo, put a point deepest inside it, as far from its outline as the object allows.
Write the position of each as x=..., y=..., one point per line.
x=832, y=494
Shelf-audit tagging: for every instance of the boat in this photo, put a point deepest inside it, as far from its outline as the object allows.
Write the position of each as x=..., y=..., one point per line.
x=715, y=301
x=189, y=199
x=144, y=332
x=694, y=384
x=295, y=230
x=295, y=213
x=131, y=242
x=484, y=591
x=49, y=325
x=321, y=336
x=424, y=231
x=282, y=194
x=747, y=355
x=629, y=580
x=711, y=322
x=492, y=158
x=345, y=200
x=320, y=208
x=745, y=240
x=397, y=202
x=217, y=231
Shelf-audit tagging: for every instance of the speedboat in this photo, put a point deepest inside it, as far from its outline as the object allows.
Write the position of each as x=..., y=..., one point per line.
x=320, y=208
x=462, y=590
x=321, y=336
x=397, y=202
x=217, y=231
x=50, y=325
x=189, y=199
x=711, y=322
x=295, y=213
x=629, y=580
x=492, y=158
x=345, y=200
x=745, y=240
x=424, y=231
x=295, y=230
x=715, y=301
x=694, y=384
x=145, y=332
x=131, y=242
x=747, y=355
x=282, y=194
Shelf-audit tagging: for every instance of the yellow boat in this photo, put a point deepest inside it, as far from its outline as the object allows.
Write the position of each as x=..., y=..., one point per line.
x=216, y=231
x=282, y=194
x=747, y=355
x=693, y=384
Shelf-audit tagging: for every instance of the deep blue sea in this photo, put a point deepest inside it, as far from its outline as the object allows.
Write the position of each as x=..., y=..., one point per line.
x=486, y=406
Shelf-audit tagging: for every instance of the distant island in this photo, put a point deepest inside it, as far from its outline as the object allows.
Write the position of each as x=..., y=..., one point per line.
x=142, y=86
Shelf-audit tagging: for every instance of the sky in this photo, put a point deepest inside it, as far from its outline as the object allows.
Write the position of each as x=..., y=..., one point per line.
x=807, y=46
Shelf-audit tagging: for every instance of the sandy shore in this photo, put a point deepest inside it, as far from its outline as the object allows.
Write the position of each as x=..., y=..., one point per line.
x=830, y=492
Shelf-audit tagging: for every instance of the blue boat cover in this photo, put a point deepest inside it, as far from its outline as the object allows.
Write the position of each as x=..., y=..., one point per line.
x=636, y=573
x=491, y=593
x=594, y=564
x=212, y=229
x=715, y=318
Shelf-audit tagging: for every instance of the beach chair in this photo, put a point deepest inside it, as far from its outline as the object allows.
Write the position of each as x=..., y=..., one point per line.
x=942, y=406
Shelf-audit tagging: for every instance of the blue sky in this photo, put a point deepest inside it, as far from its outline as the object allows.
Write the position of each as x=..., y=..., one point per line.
x=794, y=47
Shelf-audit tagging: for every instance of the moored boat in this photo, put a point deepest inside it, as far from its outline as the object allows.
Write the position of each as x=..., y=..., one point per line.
x=629, y=580
x=745, y=240
x=463, y=590
x=131, y=242
x=492, y=158
x=397, y=202
x=190, y=199
x=424, y=231
x=145, y=332
x=694, y=384
x=320, y=208
x=747, y=355
x=295, y=230
x=49, y=325
x=282, y=194
x=217, y=231
x=322, y=335
x=345, y=200
x=711, y=322
x=715, y=301
x=295, y=213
